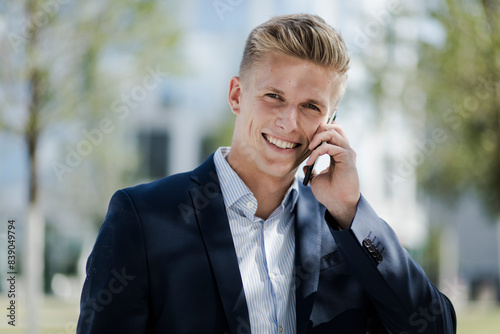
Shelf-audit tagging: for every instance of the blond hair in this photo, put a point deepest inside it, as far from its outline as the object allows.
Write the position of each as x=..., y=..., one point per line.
x=304, y=36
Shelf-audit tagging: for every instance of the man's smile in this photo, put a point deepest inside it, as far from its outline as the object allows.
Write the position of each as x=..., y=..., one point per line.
x=280, y=143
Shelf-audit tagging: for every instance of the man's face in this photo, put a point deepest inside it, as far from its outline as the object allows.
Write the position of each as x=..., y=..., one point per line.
x=279, y=103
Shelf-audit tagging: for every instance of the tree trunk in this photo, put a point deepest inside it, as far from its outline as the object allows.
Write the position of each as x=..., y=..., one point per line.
x=35, y=231
x=35, y=227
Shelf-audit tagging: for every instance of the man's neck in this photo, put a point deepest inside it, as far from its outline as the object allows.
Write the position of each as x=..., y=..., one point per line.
x=269, y=191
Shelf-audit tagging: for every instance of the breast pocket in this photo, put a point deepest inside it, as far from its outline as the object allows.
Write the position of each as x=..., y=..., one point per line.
x=330, y=260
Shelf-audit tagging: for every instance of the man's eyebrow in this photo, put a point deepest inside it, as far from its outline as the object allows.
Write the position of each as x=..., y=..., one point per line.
x=274, y=90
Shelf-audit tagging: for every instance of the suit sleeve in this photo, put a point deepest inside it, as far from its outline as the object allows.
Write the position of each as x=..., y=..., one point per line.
x=405, y=300
x=115, y=293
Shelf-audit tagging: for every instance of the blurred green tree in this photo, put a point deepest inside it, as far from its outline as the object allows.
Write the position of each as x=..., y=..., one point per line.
x=64, y=64
x=462, y=82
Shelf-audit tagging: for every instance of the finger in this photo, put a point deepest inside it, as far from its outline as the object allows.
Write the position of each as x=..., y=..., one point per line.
x=314, y=175
x=330, y=149
x=325, y=129
x=335, y=126
x=331, y=136
x=340, y=130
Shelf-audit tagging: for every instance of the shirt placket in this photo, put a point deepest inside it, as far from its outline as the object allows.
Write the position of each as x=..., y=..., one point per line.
x=276, y=279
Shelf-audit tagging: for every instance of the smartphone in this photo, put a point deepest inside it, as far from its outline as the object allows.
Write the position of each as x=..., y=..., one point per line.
x=310, y=168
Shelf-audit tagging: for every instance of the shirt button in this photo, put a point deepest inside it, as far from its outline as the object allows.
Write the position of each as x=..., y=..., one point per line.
x=280, y=328
x=250, y=205
x=271, y=276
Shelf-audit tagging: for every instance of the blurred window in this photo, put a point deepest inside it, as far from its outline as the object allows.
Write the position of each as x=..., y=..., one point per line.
x=154, y=151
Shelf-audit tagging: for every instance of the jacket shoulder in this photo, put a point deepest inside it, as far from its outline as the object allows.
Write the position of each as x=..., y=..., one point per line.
x=173, y=194
x=162, y=187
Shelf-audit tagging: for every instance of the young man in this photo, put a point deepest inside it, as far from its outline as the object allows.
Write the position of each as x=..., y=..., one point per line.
x=239, y=245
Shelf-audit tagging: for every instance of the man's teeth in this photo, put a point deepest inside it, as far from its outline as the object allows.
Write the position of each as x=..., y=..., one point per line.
x=280, y=143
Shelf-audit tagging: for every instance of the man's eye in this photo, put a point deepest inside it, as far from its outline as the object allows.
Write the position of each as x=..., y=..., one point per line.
x=312, y=106
x=273, y=96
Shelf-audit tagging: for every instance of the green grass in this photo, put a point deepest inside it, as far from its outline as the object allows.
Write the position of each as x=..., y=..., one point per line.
x=60, y=317
x=475, y=320
x=57, y=316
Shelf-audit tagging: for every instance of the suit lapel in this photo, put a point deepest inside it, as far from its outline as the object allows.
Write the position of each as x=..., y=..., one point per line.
x=214, y=226
x=307, y=255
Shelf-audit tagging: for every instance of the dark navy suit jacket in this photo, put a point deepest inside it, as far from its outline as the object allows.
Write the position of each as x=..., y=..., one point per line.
x=164, y=262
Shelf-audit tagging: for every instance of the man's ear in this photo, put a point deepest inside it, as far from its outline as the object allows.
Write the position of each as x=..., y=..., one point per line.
x=234, y=96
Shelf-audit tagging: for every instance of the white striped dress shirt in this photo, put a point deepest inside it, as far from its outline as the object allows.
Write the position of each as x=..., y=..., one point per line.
x=265, y=251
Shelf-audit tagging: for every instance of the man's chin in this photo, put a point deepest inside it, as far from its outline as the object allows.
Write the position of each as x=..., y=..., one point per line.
x=282, y=171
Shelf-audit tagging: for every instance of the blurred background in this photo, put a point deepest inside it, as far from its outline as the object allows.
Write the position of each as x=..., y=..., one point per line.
x=98, y=95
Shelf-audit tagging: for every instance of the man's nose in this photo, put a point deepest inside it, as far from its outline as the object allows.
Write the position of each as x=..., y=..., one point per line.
x=288, y=119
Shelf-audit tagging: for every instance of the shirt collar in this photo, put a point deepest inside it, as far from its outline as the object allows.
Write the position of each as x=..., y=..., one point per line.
x=233, y=187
